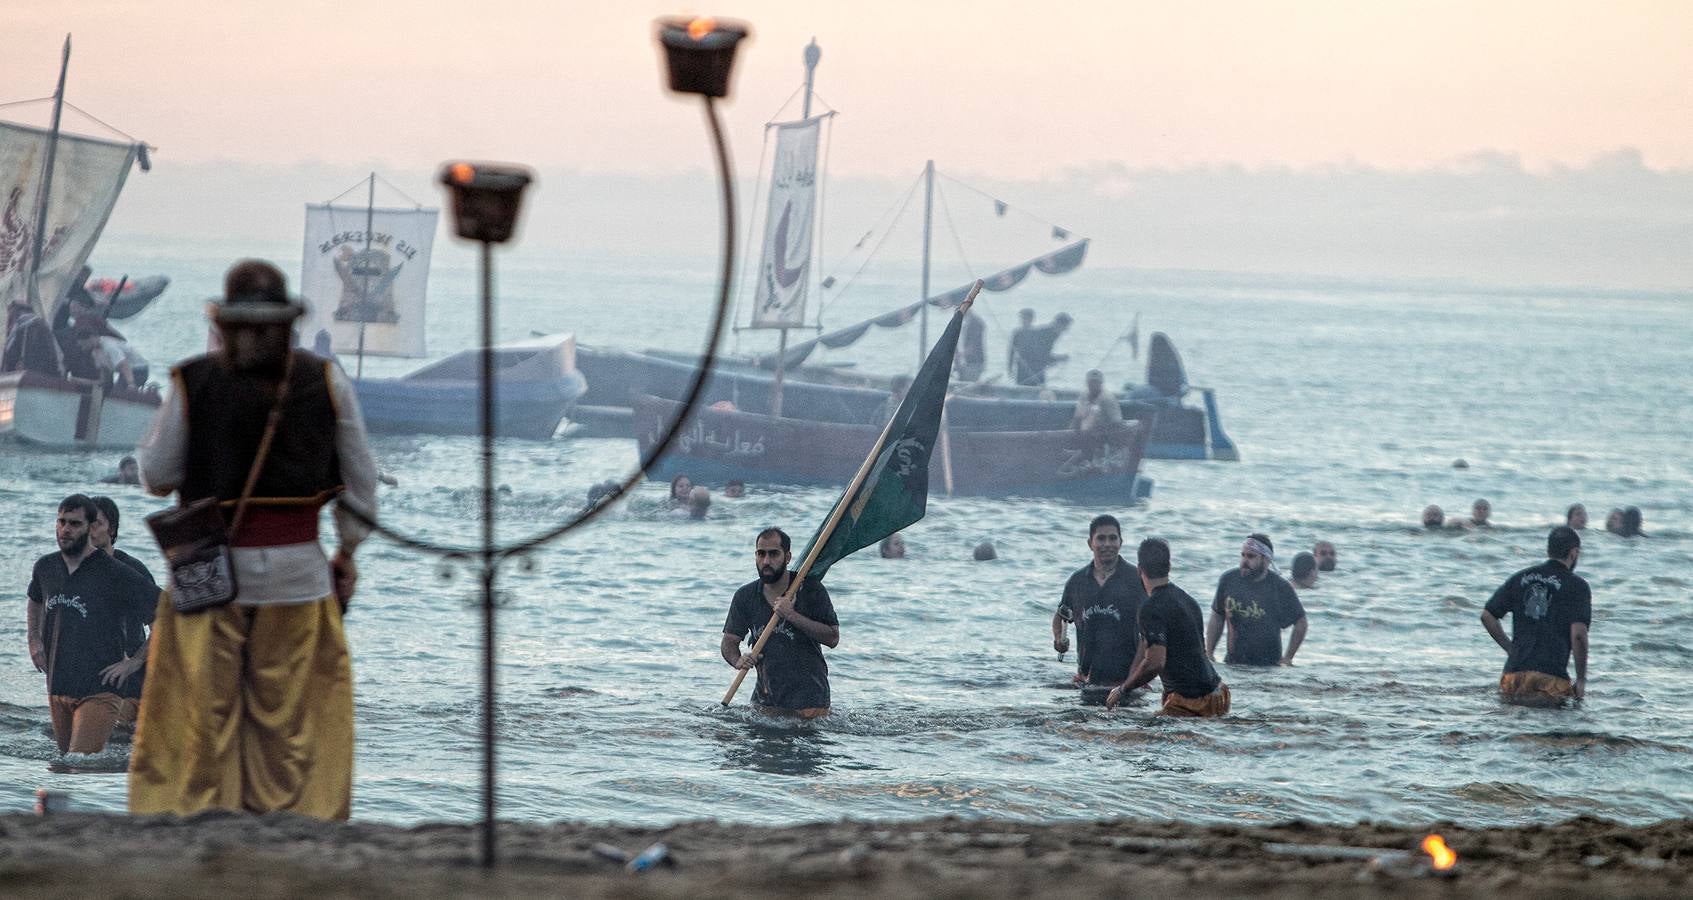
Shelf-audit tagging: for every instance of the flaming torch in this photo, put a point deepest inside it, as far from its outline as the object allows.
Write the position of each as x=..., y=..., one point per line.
x=1441, y=858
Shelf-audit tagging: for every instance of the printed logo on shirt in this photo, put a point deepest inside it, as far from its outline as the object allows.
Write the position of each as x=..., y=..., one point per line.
x=72, y=602
x=1538, y=601
x=1238, y=610
x=1111, y=611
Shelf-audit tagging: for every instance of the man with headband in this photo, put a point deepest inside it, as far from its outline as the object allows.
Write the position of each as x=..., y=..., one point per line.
x=1255, y=603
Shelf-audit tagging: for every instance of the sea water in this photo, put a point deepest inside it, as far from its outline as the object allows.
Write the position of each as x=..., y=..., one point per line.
x=1349, y=401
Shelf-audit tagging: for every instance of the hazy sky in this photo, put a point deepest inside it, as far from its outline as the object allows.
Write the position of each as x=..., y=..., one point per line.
x=999, y=89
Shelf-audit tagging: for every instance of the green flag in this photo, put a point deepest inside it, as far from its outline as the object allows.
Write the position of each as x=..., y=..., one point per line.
x=895, y=491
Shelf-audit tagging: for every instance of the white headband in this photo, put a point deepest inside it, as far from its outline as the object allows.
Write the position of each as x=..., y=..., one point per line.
x=1258, y=547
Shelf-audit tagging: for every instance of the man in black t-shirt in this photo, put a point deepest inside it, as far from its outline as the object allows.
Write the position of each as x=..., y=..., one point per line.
x=1103, y=598
x=128, y=674
x=793, y=678
x=1256, y=604
x=79, y=600
x=1172, y=644
x=1551, y=608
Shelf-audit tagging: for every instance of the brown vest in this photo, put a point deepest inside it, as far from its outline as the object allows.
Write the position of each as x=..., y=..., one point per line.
x=227, y=411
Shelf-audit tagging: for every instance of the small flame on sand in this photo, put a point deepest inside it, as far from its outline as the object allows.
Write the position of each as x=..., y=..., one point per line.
x=1440, y=855
x=462, y=173
x=701, y=26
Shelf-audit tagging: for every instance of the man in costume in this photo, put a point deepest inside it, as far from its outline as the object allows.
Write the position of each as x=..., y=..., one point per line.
x=250, y=705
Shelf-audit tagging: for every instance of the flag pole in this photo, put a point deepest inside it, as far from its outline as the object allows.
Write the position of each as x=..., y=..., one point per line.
x=828, y=531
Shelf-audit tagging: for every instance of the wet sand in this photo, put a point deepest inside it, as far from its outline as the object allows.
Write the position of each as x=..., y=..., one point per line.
x=258, y=857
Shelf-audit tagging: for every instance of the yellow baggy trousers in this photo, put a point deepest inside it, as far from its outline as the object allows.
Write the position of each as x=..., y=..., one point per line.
x=246, y=708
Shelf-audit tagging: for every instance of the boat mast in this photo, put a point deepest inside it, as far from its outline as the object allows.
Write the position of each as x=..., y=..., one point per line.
x=928, y=222
x=813, y=53
x=364, y=286
x=47, y=188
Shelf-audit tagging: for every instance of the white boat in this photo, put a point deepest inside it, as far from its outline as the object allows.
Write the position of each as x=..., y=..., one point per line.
x=57, y=189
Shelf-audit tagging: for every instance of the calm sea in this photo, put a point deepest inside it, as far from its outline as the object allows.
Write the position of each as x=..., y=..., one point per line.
x=1349, y=401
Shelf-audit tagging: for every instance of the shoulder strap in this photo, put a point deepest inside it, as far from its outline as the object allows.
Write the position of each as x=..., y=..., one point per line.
x=264, y=446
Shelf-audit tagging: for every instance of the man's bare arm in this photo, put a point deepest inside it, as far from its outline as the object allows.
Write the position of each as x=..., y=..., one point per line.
x=1294, y=640
x=1213, y=632
x=32, y=628
x=1578, y=643
x=1491, y=623
x=1060, y=632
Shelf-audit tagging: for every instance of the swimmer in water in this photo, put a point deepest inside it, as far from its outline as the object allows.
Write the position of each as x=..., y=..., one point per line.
x=1576, y=517
x=1327, y=559
x=680, y=487
x=1304, y=571
x=1433, y=517
x=893, y=547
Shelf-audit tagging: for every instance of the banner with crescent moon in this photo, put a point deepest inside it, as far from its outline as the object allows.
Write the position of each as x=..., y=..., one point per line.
x=784, y=266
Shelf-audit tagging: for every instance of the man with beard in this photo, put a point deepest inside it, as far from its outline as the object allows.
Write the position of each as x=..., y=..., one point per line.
x=793, y=678
x=79, y=601
x=1103, y=598
x=1551, y=608
x=126, y=676
x=1255, y=604
x=1326, y=556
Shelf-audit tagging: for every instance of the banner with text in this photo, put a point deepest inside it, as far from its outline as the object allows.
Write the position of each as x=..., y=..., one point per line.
x=377, y=281
x=784, y=267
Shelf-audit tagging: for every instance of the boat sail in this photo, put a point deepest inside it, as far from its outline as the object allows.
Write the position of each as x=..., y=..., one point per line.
x=57, y=190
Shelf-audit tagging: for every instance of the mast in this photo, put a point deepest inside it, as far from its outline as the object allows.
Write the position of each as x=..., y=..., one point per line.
x=813, y=53
x=47, y=187
x=928, y=223
x=364, y=289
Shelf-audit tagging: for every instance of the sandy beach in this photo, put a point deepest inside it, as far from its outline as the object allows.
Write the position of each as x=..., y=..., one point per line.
x=220, y=855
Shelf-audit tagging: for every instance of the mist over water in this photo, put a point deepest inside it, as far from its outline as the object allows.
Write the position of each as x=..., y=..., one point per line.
x=1349, y=402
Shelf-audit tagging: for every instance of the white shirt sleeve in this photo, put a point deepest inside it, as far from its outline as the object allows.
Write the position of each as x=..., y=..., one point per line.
x=358, y=465
x=163, y=451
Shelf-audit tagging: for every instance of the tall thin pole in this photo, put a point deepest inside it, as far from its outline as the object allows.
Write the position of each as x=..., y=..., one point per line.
x=813, y=53
x=928, y=227
x=42, y=201
x=364, y=289
x=488, y=397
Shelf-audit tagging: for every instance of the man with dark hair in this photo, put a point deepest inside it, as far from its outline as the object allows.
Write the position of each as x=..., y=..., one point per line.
x=1326, y=556
x=1103, y=598
x=249, y=705
x=1097, y=409
x=793, y=678
x=1031, y=348
x=972, y=355
x=1551, y=608
x=1172, y=644
x=1576, y=517
x=79, y=600
x=1255, y=603
x=129, y=472
x=126, y=675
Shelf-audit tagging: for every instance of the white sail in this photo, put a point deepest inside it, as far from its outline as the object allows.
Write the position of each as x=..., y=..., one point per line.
x=381, y=283
x=88, y=176
x=784, y=267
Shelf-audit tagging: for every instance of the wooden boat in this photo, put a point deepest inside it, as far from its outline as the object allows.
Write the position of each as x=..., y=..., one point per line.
x=721, y=444
x=536, y=386
x=67, y=413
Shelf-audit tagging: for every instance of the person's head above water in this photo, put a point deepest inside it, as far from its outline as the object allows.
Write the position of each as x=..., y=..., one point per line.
x=1576, y=517
x=1304, y=570
x=893, y=547
x=984, y=552
x=1632, y=521
x=735, y=488
x=1613, y=521
x=1433, y=516
x=699, y=502
x=1479, y=511
x=680, y=487
x=1327, y=558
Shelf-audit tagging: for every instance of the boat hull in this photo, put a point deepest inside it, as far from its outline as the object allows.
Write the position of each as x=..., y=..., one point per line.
x=64, y=413
x=536, y=386
x=718, y=445
x=616, y=377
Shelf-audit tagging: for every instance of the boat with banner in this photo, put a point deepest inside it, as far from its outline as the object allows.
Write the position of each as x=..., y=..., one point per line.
x=366, y=270
x=57, y=190
x=1095, y=468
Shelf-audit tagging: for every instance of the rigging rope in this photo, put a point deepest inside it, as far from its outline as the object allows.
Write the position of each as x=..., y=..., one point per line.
x=1017, y=209
x=906, y=201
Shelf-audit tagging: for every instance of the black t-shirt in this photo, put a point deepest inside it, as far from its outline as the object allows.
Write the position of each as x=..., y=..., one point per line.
x=88, y=608
x=1106, y=617
x=134, y=627
x=1171, y=619
x=1258, y=610
x=792, y=673
x=1544, y=601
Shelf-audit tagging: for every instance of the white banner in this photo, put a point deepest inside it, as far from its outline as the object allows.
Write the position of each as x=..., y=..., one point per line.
x=784, y=266
x=379, y=281
x=88, y=175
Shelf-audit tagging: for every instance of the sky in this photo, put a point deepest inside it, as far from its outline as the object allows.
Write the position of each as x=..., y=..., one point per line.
x=1554, y=121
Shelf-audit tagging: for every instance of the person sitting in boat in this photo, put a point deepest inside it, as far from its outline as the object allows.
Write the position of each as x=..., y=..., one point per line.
x=30, y=346
x=1031, y=349
x=1097, y=410
x=972, y=356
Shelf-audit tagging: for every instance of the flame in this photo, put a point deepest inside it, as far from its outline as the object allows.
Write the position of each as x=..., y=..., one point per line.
x=462, y=173
x=701, y=26
x=1440, y=855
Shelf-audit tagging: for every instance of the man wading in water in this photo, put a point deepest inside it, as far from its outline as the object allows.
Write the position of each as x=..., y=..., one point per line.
x=1256, y=604
x=1550, y=609
x=1103, y=598
x=793, y=678
x=1171, y=644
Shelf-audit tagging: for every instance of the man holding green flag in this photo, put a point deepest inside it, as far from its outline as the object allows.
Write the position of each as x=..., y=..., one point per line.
x=889, y=492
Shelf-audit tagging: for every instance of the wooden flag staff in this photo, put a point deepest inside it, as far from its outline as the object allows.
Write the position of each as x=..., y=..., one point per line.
x=829, y=527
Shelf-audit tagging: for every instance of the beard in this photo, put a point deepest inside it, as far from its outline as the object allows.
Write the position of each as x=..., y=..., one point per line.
x=76, y=545
x=1326, y=565
x=770, y=574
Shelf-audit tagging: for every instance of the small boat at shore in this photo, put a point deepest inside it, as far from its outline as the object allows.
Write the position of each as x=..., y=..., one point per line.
x=536, y=385
x=71, y=413
x=718, y=445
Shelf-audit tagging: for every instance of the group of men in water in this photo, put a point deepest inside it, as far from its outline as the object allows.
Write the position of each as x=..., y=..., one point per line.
x=1133, y=624
x=1624, y=521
